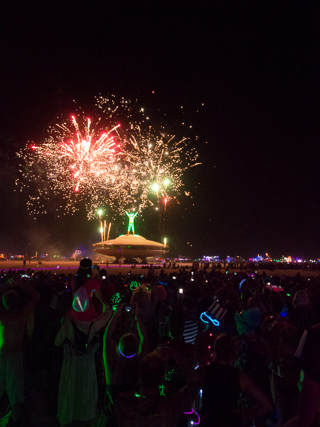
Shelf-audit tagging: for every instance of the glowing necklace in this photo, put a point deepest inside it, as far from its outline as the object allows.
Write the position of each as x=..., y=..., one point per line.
x=127, y=357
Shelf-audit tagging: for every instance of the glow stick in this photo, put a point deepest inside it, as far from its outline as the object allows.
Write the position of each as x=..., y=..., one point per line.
x=127, y=357
x=193, y=412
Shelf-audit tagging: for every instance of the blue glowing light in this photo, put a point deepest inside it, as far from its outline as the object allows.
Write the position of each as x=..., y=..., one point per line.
x=127, y=357
x=162, y=283
x=284, y=311
x=206, y=315
x=203, y=316
x=240, y=284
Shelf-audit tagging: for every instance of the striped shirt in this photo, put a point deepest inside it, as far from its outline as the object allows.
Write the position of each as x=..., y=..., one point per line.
x=191, y=329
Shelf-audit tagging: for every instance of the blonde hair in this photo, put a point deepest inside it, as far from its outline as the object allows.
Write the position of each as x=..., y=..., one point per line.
x=141, y=296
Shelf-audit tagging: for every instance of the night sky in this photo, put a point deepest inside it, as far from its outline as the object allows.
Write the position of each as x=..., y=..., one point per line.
x=253, y=64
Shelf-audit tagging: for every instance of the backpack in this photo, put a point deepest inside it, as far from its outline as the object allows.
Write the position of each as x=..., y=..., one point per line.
x=81, y=345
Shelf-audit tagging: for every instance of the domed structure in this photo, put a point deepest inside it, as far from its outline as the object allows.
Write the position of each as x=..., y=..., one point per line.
x=131, y=246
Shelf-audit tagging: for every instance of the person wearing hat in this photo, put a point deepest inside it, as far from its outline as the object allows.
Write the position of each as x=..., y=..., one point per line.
x=90, y=286
x=80, y=334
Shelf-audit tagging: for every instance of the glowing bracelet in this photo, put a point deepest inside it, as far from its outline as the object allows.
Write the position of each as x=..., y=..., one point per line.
x=193, y=412
x=128, y=357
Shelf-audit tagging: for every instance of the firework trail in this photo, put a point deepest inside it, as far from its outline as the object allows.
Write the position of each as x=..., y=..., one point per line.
x=116, y=159
x=87, y=157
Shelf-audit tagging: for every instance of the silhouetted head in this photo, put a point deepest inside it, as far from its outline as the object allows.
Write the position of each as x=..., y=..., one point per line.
x=301, y=298
x=224, y=348
x=86, y=263
x=84, y=271
x=141, y=296
x=276, y=303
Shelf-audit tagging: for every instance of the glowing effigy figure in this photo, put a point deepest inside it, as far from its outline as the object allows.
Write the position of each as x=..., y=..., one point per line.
x=131, y=217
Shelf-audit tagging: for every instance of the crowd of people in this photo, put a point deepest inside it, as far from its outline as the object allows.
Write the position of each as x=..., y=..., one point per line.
x=190, y=346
